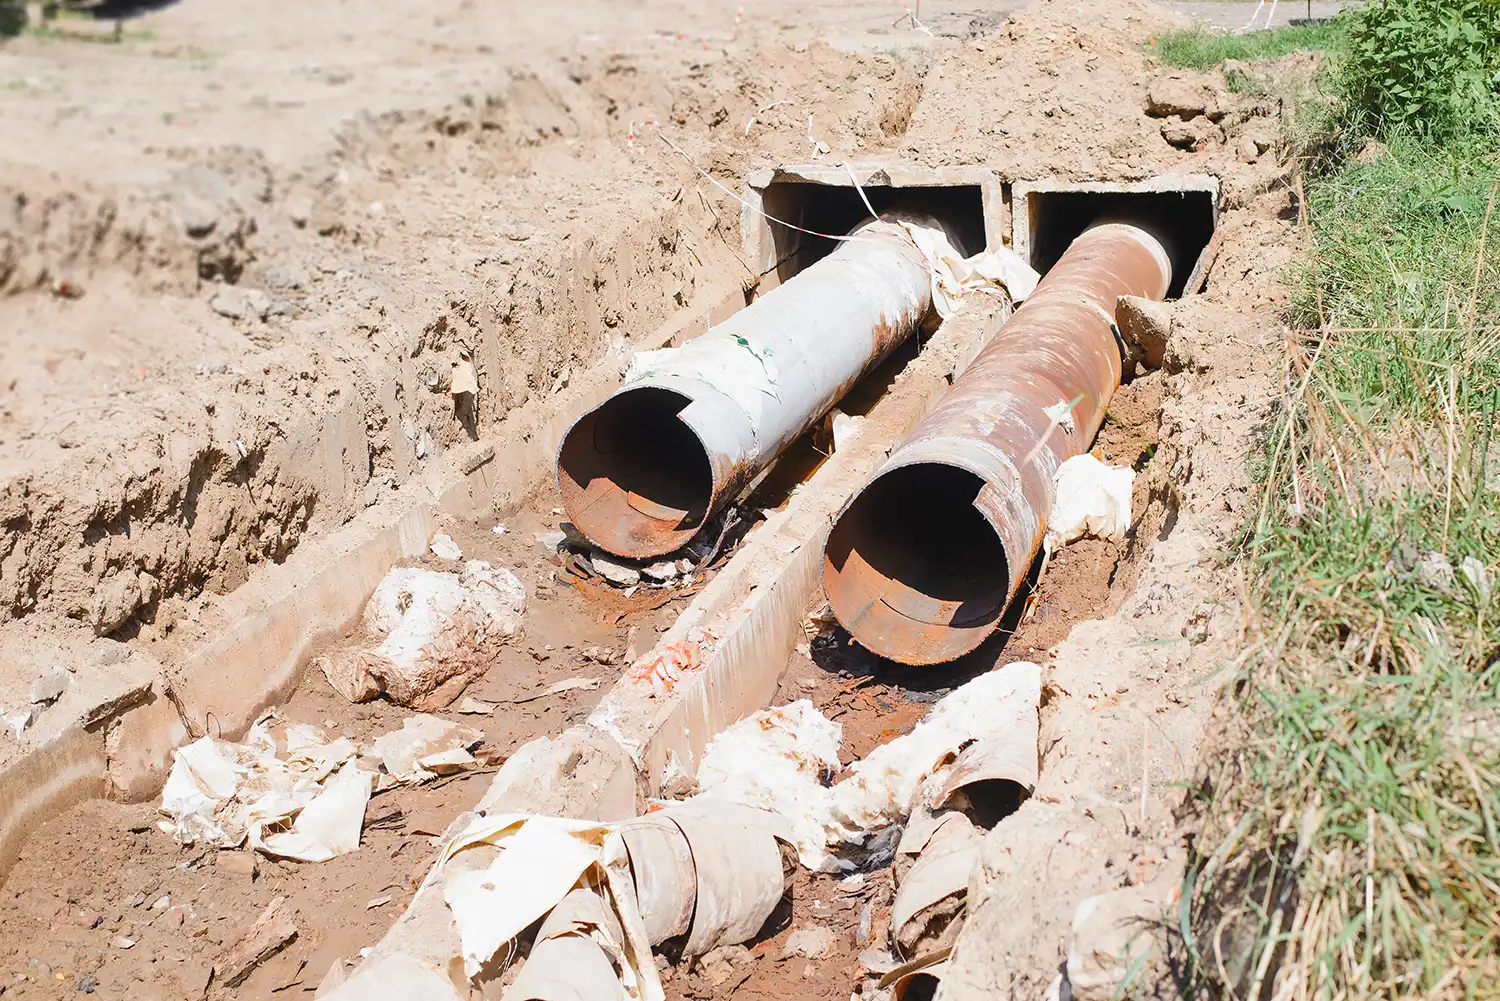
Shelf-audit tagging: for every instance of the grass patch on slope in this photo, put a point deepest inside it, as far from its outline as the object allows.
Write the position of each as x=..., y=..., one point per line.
x=1202, y=49
x=1351, y=844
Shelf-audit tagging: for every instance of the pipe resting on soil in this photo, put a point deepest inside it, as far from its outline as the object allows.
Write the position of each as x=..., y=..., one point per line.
x=923, y=561
x=692, y=426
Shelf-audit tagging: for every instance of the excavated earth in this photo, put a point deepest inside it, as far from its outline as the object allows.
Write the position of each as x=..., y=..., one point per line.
x=240, y=252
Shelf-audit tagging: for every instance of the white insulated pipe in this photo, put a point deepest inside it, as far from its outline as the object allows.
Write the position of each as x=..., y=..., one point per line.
x=692, y=426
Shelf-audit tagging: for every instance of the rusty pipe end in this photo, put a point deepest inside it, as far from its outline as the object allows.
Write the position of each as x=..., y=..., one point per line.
x=635, y=479
x=914, y=569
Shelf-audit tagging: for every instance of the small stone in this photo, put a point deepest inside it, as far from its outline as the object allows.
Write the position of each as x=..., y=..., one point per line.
x=1188, y=135
x=1247, y=150
x=162, y=902
x=121, y=942
x=115, y=601
x=49, y=688
x=807, y=684
x=809, y=943
x=238, y=865
x=372, y=493
x=86, y=983
x=240, y=304
x=516, y=230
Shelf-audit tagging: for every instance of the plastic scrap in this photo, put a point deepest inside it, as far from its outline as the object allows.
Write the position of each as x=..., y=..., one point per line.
x=305, y=802
x=541, y=860
x=1091, y=498
x=433, y=627
x=955, y=276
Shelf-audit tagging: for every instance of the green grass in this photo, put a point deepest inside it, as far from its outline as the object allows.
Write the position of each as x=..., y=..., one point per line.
x=1351, y=845
x=1204, y=49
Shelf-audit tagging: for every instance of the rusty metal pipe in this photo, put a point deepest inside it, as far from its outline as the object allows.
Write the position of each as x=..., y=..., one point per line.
x=922, y=562
x=692, y=426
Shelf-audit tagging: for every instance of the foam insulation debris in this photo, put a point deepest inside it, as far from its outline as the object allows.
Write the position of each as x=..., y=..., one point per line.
x=302, y=797
x=1091, y=498
x=780, y=760
x=432, y=627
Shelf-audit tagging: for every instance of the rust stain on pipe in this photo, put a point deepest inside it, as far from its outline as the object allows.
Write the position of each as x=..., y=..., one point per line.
x=922, y=562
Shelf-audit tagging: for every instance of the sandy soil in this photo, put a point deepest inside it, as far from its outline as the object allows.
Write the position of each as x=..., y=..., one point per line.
x=394, y=186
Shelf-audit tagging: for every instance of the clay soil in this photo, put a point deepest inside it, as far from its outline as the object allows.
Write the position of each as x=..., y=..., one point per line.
x=393, y=187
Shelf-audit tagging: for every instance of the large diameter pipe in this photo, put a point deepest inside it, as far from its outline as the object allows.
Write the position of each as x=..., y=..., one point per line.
x=923, y=561
x=692, y=426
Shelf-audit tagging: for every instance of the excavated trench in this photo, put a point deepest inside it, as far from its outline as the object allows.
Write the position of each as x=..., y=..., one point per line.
x=101, y=899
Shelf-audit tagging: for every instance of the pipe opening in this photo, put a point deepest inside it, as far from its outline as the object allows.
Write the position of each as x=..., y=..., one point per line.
x=633, y=476
x=913, y=569
x=836, y=208
x=1183, y=220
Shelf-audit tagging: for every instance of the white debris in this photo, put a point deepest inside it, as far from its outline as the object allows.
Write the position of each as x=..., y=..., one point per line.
x=809, y=943
x=778, y=760
x=305, y=801
x=660, y=572
x=1091, y=499
x=444, y=548
x=476, y=707
x=908, y=772
x=432, y=627
x=498, y=529
x=425, y=747
x=1061, y=414
x=18, y=722
x=329, y=825
x=617, y=574
x=550, y=541
x=845, y=428
x=954, y=277
x=541, y=860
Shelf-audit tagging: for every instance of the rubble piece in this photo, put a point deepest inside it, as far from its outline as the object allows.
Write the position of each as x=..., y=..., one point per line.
x=1115, y=933
x=444, y=548
x=617, y=574
x=1145, y=326
x=270, y=933
x=1179, y=96
x=476, y=707
x=664, y=668
x=955, y=277
x=433, y=627
x=1092, y=499
x=18, y=722
x=425, y=747
x=809, y=943
x=661, y=573
x=575, y=953
x=779, y=760
x=49, y=688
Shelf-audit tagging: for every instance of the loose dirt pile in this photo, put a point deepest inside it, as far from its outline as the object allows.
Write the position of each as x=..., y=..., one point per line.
x=264, y=348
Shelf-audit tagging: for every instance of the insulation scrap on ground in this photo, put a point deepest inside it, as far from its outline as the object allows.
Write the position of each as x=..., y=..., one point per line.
x=780, y=760
x=1091, y=498
x=303, y=796
x=433, y=629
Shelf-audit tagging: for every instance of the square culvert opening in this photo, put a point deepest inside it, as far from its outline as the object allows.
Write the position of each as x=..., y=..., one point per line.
x=836, y=209
x=1186, y=218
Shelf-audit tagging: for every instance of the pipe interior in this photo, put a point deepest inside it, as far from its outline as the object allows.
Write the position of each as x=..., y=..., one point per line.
x=916, y=544
x=634, y=475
